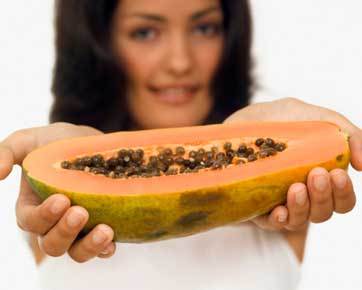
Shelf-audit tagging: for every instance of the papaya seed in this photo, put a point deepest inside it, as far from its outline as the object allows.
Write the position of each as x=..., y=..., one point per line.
x=230, y=154
x=113, y=162
x=242, y=149
x=227, y=146
x=270, y=142
x=65, y=164
x=179, y=160
x=280, y=147
x=214, y=150
x=167, y=152
x=259, y=142
x=272, y=152
x=180, y=151
x=263, y=154
x=192, y=154
x=216, y=165
x=209, y=155
x=250, y=151
x=187, y=162
x=220, y=156
x=126, y=159
x=252, y=157
x=122, y=153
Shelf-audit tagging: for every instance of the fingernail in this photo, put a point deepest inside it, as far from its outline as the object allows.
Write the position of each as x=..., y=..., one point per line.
x=300, y=197
x=57, y=207
x=321, y=182
x=340, y=181
x=282, y=218
x=99, y=237
x=74, y=219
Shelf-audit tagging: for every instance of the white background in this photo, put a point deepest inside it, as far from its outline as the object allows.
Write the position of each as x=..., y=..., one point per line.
x=308, y=49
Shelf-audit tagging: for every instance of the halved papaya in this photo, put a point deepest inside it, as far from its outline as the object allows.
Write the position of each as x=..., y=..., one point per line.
x=235, y=187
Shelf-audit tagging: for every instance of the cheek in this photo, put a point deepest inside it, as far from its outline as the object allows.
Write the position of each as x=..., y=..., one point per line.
x=208, y=58
x=138, y=64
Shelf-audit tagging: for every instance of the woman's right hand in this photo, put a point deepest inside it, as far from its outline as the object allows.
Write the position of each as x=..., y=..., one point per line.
x=55, y=222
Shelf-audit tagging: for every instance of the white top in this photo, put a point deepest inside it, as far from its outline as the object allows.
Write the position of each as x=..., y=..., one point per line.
x=226, y=258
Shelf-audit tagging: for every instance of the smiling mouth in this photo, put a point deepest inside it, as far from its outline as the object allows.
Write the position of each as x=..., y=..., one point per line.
x=174, y=95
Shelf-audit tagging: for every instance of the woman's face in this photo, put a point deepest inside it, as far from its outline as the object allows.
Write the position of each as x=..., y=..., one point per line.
x=169, y=51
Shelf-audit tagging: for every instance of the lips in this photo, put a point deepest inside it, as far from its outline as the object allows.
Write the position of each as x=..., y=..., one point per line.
x=174, y=95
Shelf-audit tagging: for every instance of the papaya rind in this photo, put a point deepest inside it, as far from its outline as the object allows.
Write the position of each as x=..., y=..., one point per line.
x=152, y=217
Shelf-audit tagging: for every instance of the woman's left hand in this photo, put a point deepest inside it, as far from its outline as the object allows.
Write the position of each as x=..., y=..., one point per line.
x=325, y=192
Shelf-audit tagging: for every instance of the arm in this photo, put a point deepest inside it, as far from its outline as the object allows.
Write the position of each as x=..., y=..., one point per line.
x=310, y=202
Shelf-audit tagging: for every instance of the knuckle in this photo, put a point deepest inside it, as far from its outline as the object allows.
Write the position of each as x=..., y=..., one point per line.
x=299, y=216
x=22, y=136
x=22, y=225
x=346, y=207
x=292, y=227
x=321, y=198
x=89, y=248
x=65, y=232
x=77, y=258
x=28, y=226
x=51, y=248
x=297, y=226
x=45, y=215
x=298, y=223
x=19, y=135
x=321, y=218
x=343, y=195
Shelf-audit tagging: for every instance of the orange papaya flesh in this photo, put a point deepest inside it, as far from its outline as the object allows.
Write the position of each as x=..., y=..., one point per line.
x=164, y=207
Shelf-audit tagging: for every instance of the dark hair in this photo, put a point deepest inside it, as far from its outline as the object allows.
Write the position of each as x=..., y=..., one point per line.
x=89, y=86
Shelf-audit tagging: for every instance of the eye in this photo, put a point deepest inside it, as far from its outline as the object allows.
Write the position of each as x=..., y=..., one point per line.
x=208, y=29
x=145, y=33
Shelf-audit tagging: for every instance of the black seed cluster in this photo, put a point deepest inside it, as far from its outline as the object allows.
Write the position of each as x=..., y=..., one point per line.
x=132, y=163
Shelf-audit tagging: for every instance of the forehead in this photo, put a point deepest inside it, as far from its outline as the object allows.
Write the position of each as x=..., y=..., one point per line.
x=165, y=7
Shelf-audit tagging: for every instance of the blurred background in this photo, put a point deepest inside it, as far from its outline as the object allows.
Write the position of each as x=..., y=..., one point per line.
x=308, y=49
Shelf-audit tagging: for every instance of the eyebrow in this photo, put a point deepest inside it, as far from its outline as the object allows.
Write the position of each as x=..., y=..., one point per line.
x=193, y=17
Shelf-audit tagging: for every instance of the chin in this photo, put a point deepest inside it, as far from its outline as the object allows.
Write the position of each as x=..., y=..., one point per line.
x=171, y=123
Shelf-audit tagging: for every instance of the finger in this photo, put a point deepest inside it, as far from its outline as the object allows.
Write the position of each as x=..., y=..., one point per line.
x=320, y=193
x=14, y=149
x=20, y=143
x=298, y=206
x=108, y=251
x=59, y=239
x=6, y=161
x=355, y=142
x=274, y=221
x=344, y=197
x=92, y=244
x=36, y=217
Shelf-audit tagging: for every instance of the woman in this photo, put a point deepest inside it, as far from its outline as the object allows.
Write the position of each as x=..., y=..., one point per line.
x=140, y=64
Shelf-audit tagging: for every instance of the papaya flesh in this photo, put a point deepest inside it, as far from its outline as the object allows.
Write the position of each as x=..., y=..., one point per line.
x=169, y=206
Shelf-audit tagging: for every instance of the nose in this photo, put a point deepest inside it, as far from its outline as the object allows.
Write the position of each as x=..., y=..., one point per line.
x=179, y=59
